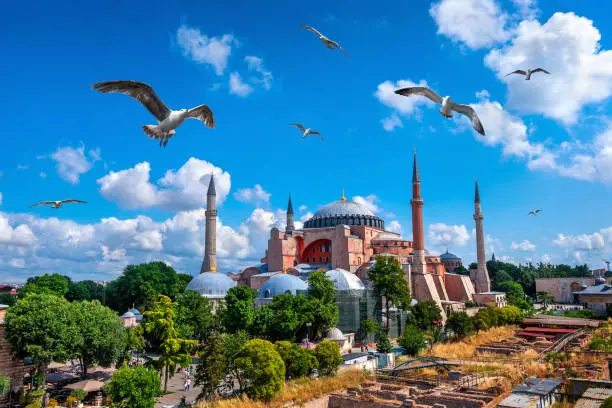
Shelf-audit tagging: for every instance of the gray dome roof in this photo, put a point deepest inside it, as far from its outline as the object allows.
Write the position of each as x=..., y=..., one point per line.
x=344, y=280
x=128, y=315
x=448, y=255
x=279, y=284
x=135, y=311
x=342, y=207
x=334, y=334
x=211, y=284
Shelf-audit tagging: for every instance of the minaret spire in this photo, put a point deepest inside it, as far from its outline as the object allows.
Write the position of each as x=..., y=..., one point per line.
x=482, y=282
x=417, y=208
x=210, y=240
x=415, y=169
x=290, y=220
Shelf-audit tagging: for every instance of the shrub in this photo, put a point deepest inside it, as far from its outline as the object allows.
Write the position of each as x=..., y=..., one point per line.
x=263, y=369
x=413, y=340
x=70, y=401
x=461, y=324
x=328, y=355
x=79, y=394
x=133, y=387
x=607, y=403
x=34, y=396
x=383, y=345
x=53, y=403
x=299, y=362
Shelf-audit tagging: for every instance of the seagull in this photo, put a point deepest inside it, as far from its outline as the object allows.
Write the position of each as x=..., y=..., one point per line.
x=447, y=105
x=534, y=212
x=329, y=43
x=167, y=119
x=307, y=132
x=58, y=204
x=529, y=72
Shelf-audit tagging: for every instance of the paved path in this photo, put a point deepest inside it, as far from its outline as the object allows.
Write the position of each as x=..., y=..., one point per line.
x=175, y=387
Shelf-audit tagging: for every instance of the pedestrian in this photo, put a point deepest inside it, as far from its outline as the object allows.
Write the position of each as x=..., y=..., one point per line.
x=185, y=386
x=188, y=383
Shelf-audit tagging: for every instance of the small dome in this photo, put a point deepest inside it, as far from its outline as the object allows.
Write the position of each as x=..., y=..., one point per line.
x=211, y=284
x=334, y=334
x=448, y=255
x=279, y=284
x=344, y=280
x=135, y=311
x=127, y=315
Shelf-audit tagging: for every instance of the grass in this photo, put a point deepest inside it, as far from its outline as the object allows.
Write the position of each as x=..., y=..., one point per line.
x=297, y=391
x=466, y=348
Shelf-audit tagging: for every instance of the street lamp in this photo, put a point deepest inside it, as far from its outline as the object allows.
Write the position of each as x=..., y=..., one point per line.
x=307, y=334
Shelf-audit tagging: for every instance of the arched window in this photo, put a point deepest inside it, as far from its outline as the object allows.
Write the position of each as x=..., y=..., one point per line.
x=307, y=260
x=320, y=259
x=327, y=259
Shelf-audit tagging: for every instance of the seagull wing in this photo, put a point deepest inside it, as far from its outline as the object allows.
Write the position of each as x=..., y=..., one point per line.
x=202, y=113
x=518, y=71
x=72, y=200
x=471, y=113
x=531, y=213
x=309, y=28
x=538, y=211
x=420, y=90
x=299, y=126
x=344, y=52
x=43, y=203
x=143, y=93
x=540, y=70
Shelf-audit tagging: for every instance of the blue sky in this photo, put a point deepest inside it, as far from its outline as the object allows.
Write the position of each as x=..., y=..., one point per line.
x=548, y=143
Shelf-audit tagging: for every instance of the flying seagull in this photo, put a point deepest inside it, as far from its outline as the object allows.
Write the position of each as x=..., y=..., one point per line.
x=306, y=132
x=58, y=204
x=447, y=105
x=167, y=119
x=529, y=72
x=329, y=43
x=534, y=212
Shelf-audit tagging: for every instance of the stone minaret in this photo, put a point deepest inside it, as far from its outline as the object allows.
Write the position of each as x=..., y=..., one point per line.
x=482, y=283
x=290, y=226
x=210, y=241
x=418, y=239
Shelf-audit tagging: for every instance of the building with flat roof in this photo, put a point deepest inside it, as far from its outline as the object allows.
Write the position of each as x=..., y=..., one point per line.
x=533, y=393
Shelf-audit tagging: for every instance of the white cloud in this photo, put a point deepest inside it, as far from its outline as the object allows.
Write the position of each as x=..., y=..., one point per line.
x=524, y=246
x=255, y=195
x=18, y=263
x=507, y=259
x=202, y=49
x=528, y=9
x=475, y=23
x=390, y=123
x=582, y=242
x=306, y=216
x=19, y=235
x=546, y=258
x=42, y=174
x=394, y=226
x=256, y=64
x=72, y=162
x=385, y=93
x=114, y=255
x=184, y=189
x=368, y=202
x=441, y=234
x=23, y=166
x=302, y=208
x=568, y=46
x=238, y=87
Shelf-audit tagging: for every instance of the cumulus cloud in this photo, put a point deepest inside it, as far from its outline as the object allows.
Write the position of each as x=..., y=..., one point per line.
x=394, y=226
x=72, y=162
x=569, y=47
x=255, y=195
x=475, y=23
x=441, y=234
x=184, y=189
x=368, y=202
x=390, y=123
x=528, y=9
x=306, y=216
x=302, y=208
x=238, y=87
x=385, y=93
x=255, y=64
x=202, y=49
x=587, y=247
x=18, y=235
x=524, y=246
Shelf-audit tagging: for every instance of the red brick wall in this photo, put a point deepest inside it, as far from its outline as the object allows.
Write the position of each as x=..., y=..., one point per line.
x=16, y=369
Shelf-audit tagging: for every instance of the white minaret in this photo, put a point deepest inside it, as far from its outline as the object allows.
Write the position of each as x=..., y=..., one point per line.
x=482, y=283
x=210, y=240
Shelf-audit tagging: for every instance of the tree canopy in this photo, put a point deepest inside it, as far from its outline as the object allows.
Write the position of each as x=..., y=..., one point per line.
x=133, y=387
x=239, y=311
x=262, y=368
x=387, y=277
x=412, y=340
x=194, y=317
x=54, y=284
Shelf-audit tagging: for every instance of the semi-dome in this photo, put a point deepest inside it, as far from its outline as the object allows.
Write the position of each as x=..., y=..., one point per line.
x=448, y=255
x=344, y=212
x=211, y=284
x=344, y=280
x=279, y=284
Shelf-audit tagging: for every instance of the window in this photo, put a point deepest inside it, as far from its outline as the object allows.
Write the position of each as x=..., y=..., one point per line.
x=313, y=250
x=267, y=294
x=320, y=248
x=320, y=260
x=307, y=260
x=326, y=247
x=327, y=259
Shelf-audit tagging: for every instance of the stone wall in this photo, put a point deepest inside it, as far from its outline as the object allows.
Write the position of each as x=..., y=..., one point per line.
x=16, y=369
x=459, y=287
x=562, y=288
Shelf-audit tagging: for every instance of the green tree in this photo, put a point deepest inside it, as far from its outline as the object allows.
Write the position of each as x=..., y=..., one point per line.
x=460, y=323
x=285, y=317
x=515, y=295
x=262, y=369
x=321, y=287
x=383, y=344
x=85, y=290
x=142, y=283
x=328, y=356
x=7, y=299
x=368, y=327
x=607, y=403
x=412, y=340
x=461, y=270
x=54, y=284
x=133, y=342
x=41, y=327
x=545, y=297
x=234, y=344
x=159, y=328
x=388, y=281
x=426, y=314
x=239, y=312
x=102, y=336
x=194, y=317
x=5, y=384
x=133, y=387
x=79, y=394
x=212, y=367
x=299, y=362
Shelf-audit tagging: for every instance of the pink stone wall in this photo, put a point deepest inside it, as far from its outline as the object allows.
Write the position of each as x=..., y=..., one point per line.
x=459, y=287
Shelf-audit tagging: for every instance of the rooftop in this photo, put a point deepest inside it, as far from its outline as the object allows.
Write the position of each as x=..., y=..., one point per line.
x=211, y=284
x=537, y=386
x=603, y=289
x=342, y=207
x=519, y=401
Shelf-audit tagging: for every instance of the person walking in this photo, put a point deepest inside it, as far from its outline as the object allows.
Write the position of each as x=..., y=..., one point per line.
x=188, y=383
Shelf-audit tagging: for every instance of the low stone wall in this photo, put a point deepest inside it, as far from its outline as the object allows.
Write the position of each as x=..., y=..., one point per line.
x=343, y=401
x=457, y=401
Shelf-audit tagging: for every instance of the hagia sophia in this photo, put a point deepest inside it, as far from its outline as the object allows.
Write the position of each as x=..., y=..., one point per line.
x=343, y=238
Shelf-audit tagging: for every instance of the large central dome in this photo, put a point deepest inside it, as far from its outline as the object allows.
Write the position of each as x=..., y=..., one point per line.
x=344, y=212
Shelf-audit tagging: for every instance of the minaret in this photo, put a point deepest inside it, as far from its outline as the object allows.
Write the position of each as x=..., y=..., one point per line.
x=482, y=283
x=290, y=225
x=417, y=210
x=210, y=241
